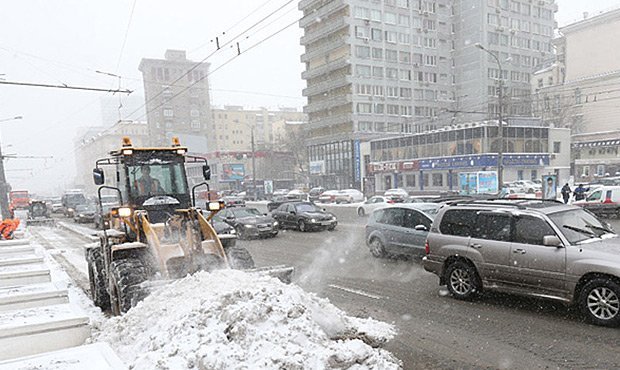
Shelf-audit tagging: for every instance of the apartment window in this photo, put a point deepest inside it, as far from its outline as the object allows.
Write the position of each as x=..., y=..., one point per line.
x=403, y=20
x=430, y=43
x=361, y=12
x=379, y=108
x=389, y=18
x=361, y=32
x=195, y=113
x=391, y=36
x=391, y=73
x=404, y=57
x=577, y=96
x=404, y=38
x=402, y=4
x=430, y=60
x=364, y=108
x=377, y=90
x=377, y=71
x=405, y=110
x=362, y=52
x=404, y=75
x=493, y=19
x=168, y=112
x=195, y=124
x=391, y=55
x=405, y=92
x=556, y=146
x=392, y=92
x=362, y=70
x=392, y=109
x=429, y=24
x=515, y=6
x=363, y=89
x=375, y=15
x=376, y=34
x=377, y=53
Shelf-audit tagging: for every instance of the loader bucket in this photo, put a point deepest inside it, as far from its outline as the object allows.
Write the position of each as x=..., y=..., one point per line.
x=281, y=272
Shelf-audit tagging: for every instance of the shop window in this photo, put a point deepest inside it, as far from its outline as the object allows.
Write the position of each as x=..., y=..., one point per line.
x=410, y=180
x=437, y=179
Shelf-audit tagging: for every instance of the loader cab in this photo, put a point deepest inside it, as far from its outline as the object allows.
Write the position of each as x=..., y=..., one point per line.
x=154, y=177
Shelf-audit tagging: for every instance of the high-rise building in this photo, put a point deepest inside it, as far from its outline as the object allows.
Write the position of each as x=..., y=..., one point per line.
x=377, y=68
x=177, y=100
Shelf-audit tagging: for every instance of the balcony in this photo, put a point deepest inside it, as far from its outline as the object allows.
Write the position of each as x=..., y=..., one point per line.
x=303, y=4
x=325, y=68
x=322, y=12
x=324, y=86
x=322, y=50
x=327, y=104
x=330, y=121
x=328, y=27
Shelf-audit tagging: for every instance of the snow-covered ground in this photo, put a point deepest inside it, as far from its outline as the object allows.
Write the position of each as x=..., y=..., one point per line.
x=236, y=320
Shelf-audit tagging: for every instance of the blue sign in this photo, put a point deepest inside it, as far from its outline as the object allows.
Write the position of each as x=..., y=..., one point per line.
x=357, y=160
x=484, y=160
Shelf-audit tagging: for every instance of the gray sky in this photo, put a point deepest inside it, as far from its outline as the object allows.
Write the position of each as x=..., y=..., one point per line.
x=65, y=41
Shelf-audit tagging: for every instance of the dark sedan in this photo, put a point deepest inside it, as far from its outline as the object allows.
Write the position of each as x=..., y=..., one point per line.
x=84, y=213
x=304, y=216
x=277, y=201
x=249, y=222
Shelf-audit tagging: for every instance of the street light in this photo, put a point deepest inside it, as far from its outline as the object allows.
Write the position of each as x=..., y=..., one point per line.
x=4, y=202
x=500, y=125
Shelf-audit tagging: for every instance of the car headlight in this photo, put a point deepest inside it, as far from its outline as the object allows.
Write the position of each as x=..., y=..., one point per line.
x=248, y=226
x=70, y=209
x=275, y=223
x=334, y=218
x=312, y=220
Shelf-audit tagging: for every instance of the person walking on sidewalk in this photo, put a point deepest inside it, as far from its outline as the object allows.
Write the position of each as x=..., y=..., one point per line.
x=566, y=193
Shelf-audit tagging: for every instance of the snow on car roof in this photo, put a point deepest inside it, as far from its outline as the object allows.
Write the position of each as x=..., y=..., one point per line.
x=232, y=319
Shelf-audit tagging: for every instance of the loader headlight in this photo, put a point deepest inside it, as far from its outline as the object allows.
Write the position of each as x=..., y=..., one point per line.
x=275, y=223
x=313, y=220
x=124, y=212
x=248, y=226
x=127, y=151
x=215, y=206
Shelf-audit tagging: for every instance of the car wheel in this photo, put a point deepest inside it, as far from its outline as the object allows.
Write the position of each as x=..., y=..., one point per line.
x=302, y=226
x=240, y=232
x=600, y=302
x=376, y=248
x=360, y=212
x=462, y=280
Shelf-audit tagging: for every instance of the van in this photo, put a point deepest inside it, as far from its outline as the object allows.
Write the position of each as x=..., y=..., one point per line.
x=603, y=201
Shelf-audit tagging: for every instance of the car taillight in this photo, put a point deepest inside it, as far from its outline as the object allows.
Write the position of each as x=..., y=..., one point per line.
x=427, y=248
x=390, y=201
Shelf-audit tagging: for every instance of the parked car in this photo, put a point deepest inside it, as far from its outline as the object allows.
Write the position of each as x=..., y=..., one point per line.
x=396, y=194
x=349, y=196
x=314, y=193
x=56, y=205
x=233, y=201
x=84, y=213
x=603, y=201
x=397, y=230
x=280, y=192
x=249, y=222
x=421, y=198
x=376, y=202
x=328, y=196
x=297, y=194
x=226, y=233
x=304, y=216
x=528, y=186
x=532, y=247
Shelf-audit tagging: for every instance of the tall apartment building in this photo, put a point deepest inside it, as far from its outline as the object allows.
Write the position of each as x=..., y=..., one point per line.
x=177, y=100
x=385, y=67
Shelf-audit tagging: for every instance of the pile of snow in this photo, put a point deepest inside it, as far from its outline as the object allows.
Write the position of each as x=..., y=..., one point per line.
x=230, y=319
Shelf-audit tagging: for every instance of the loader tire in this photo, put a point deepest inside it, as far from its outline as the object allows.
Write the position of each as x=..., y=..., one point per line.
x=126, y=275
x=98, y=291
x=240, y=258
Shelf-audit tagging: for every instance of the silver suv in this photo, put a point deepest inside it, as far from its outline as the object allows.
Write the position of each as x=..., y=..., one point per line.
x=532, y=247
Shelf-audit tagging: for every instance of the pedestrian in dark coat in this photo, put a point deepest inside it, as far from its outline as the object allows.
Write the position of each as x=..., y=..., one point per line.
x=566, y=192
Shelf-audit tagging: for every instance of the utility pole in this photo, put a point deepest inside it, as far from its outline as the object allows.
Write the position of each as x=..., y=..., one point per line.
x=254, y=167
x=500, y=125
x=4, y=188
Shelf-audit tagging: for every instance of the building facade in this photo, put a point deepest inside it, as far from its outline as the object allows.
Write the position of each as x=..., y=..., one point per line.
x=177, y=100
x=380, y=68
x=596, y=155
x=432, y=161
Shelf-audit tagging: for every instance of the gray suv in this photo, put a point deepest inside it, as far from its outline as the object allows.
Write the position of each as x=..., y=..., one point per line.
x=532, y=247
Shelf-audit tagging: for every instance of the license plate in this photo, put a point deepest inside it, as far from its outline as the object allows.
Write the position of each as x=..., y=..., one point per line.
x=326, y=223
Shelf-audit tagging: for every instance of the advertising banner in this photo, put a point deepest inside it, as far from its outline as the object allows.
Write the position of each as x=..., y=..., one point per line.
x=232, y=172
x=317, y=167
x=357, y=160
x=549, y=187
x=268, y=186
x=487, y=182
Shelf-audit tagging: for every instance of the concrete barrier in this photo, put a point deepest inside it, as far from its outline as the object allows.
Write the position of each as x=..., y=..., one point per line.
x=12, y=242
x=19, y=260
x=96, y=356
x=41, y=329
x=17, y=250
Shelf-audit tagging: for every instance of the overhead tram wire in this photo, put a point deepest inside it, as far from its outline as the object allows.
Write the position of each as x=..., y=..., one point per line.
x=74, y=149
x=220, y=47
x=120, y=55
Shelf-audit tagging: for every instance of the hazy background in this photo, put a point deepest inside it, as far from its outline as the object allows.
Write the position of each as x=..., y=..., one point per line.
x=65, y=42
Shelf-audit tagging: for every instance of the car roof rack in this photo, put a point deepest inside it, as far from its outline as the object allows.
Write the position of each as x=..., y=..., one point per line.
x=510, y=202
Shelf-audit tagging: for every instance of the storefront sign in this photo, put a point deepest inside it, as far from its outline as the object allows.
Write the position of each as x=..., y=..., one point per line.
x=317, y=167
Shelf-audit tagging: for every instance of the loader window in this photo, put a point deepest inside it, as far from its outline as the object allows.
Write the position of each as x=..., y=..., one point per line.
x=157, y=179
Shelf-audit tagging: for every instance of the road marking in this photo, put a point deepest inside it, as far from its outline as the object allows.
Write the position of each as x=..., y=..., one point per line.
x=355, y=291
